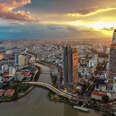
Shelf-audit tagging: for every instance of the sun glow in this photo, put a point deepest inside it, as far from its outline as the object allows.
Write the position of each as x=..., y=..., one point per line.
x=101, y=25
x=105, y=28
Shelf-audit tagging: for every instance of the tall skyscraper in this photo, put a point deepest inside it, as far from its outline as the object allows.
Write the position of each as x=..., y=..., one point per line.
x=21, y=60
x=70, y=66
x=4, y=68
x=16, y=59
x=112, y=63
x=12, y=70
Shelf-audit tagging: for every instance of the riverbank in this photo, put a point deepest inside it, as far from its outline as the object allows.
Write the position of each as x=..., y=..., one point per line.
x=25, y=88
x=53, y=97
x=37, y=103
x=101, y=107
x=35, y=78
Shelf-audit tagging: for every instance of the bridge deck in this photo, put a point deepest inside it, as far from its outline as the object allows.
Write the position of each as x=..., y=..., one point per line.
x=49, y=86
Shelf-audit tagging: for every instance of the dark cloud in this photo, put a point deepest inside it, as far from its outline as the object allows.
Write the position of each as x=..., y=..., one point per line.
x=69, y=6
x=46, y=31
x=34, y=32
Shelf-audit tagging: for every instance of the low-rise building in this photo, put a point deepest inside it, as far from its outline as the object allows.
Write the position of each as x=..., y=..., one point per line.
x=9, y=92
x=2, y=92
x=97, y=95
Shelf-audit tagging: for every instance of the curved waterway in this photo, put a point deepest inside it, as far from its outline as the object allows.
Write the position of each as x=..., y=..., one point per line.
x=37, y=103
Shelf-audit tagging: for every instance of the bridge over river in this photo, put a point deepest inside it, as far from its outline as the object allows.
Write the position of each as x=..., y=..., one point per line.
x=50, y=87
x=46, y=70
x=36, y=103
x=45, y=73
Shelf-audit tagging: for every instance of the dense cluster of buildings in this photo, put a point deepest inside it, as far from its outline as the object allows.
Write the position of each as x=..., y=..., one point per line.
x=15, y=65
x=77, y=64
x=80, y=68
x=7, y=93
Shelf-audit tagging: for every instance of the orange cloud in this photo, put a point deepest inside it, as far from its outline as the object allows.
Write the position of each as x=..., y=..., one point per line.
x=7, y=7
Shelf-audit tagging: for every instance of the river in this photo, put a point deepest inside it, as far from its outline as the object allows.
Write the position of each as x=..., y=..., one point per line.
x=37, y=103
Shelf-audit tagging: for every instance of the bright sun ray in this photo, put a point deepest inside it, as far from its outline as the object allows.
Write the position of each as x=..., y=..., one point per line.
x=101, y=25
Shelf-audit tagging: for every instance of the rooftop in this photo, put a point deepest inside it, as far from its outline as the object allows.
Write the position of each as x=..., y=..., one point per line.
x=98, y=93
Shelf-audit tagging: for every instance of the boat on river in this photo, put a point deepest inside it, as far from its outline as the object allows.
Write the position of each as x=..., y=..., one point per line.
x=81, y=108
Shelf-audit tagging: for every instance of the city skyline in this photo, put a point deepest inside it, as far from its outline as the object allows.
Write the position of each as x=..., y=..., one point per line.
x=75, y=72
x=57, y=19
x=57, y=57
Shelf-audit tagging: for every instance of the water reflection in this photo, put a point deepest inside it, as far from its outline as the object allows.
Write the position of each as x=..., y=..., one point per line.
x=68, y=111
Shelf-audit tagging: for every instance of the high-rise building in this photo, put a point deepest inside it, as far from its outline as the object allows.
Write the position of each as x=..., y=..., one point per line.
x=4, y=68
x=16, y=59
x=112, y=63
x=12, y=70
x=70, y=66
x=21, y=60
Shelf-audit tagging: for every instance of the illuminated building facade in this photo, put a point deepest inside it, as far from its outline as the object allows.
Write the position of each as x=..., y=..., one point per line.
x=21, y=60
x=70, y=66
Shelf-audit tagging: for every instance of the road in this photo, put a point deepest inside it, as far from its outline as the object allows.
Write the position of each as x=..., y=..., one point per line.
x=49, y=86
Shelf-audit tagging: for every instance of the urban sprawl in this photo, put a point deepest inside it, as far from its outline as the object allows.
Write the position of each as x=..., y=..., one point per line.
x=86, y=70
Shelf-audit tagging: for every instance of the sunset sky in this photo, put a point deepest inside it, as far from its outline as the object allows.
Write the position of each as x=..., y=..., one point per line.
x=32, y=19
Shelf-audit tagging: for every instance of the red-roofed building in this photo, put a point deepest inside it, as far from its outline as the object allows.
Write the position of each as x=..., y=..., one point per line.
x=9, y=92
x=2, y=92
x=25, y=73
x=97, y=95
